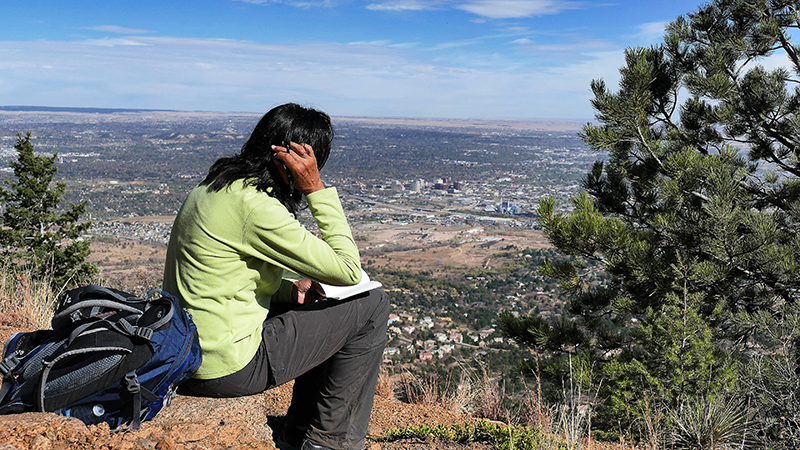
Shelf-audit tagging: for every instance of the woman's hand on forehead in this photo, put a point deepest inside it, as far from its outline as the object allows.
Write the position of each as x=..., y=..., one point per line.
x=299, y=159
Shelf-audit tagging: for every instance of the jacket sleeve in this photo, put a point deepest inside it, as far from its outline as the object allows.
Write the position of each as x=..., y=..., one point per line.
x=276, y=236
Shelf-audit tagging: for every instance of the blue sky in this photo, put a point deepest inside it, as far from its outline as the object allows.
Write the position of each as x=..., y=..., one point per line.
x=477, y=59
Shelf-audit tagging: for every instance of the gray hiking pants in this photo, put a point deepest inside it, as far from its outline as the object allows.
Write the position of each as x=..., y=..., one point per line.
x=333, y=350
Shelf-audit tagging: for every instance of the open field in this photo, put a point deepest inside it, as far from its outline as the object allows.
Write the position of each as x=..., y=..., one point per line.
x=441, y=250
x=444, y=251
x=129, y=265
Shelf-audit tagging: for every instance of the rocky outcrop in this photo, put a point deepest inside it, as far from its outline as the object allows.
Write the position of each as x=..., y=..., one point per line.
x=188, y=423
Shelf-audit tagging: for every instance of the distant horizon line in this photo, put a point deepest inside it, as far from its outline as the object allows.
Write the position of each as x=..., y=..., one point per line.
x=96, y=110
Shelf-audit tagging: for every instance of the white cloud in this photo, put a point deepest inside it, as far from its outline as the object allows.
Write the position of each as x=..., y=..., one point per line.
x=314, y=4
x=116, y=29
x=511, y=9
x=111, y=42
x=298, y=3
x=485, y=9
x=258, y=2
x=777, y=60
x=517, y=29
x=226, y=75
x=374, y=43
x=648, y=33
x=454, y=44
x=492, y=9
x=405, y=5
x=388, y=44
x=560, y=49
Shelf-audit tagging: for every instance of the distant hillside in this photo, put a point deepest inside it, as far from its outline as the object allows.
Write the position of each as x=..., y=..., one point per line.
x=76, y=110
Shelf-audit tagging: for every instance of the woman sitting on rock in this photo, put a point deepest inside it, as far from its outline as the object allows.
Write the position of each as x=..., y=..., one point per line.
x=231, y=243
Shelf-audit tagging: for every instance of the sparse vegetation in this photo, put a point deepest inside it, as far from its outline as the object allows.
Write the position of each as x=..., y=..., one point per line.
x=35, y=238
x=714, y=424
x=533, y=424
x=26, y=302
x=500, y=436
x=694, y=216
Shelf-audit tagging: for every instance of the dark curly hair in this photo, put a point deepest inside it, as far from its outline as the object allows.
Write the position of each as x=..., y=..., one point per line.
x=281, y=125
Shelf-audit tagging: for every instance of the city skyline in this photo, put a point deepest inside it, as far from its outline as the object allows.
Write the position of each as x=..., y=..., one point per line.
x=476, y=59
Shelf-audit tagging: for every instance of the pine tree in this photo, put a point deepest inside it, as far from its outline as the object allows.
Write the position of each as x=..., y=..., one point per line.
x=35, y=237
x=693, y=212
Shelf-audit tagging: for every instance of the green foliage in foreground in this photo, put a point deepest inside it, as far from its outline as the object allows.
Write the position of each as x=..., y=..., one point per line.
x=694, y=214
x=36, y=237
x=713, y=424
x=503, y=437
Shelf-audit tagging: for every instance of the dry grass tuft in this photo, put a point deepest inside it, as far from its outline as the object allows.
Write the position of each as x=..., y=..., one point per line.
x=534, y=410
x=137, y=281
x=489, y=397
x=386, y=384
x=25, y=303
x=482, y=396
x=461, y=397
x=475, y=393
x=419, y=390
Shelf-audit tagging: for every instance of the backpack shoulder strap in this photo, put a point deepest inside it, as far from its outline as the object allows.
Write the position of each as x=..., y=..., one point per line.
x=157, y=313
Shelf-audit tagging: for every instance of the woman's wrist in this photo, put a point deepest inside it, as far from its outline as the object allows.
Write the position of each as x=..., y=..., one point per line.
x=314, y=187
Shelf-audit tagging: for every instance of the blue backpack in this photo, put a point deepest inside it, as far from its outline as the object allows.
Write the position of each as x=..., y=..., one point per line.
x=110, y=357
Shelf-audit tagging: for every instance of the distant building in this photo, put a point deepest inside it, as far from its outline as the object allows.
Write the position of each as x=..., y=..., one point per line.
x=484, y=333
x=426, y=322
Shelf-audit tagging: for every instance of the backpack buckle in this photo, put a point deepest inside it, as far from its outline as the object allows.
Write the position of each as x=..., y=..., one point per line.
x=132, y=383
x=152, y=294
x=144, y=332
x=8, y=364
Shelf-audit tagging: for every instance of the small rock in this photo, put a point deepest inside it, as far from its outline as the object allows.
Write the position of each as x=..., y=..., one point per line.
x=166, y=444
x=189, y=432
x=41, y=443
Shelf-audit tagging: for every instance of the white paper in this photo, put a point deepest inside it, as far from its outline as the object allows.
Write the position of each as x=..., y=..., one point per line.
x=340, y=292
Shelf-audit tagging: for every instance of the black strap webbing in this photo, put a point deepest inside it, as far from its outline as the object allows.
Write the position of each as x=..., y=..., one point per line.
x=135, y=389
x=8, y=384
